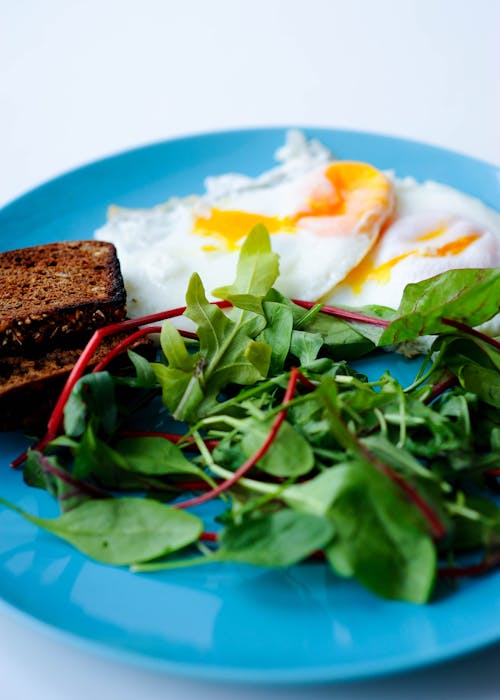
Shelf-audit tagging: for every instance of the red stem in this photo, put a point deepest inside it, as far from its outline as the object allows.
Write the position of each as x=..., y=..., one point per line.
x=441, y=386
x=343, y=313
x=209, y=536
x=80, y=486
x=123, y=345
x=471, y=331
x=197, y=485
x=252, y=461
x=56, y=417
x=473, y=570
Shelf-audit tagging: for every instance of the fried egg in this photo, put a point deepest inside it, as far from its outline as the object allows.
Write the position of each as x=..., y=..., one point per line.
x=346, y=233
x=435, y=228
x=323, y=217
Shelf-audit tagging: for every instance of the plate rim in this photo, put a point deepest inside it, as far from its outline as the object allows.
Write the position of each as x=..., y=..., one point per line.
x=217, y=672
x=194, y=135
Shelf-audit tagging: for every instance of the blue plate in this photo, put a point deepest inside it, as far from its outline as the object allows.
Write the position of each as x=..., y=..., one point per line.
x=225, y=622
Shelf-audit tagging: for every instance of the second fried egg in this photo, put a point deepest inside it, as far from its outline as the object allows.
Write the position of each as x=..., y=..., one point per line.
x=435, y=228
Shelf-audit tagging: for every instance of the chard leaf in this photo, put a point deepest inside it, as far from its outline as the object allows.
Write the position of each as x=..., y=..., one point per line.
x=380, y=538
x=69, y=495
x=290, y=454
x=469, y=296
x=345, y=339
x=258, y=269
x=121, y=531
x=477, y=365
x=278, y=539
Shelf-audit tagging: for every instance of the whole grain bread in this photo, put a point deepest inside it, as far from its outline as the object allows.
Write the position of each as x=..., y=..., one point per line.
x=30, y=386
x=58, y=291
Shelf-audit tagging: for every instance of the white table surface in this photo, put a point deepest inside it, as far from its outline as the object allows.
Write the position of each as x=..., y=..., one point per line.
x=80, y=79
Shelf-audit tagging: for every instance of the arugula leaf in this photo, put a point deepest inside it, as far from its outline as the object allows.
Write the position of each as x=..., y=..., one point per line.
x=470, y=296
x=277, y=333
x=306, y=346
x=258, y=269
x=228, y=353
x=144, y=374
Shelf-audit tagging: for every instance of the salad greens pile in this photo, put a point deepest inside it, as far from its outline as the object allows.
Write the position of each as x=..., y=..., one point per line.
x=270, y=414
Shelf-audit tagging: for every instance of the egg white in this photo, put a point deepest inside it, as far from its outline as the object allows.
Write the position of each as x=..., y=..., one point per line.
x=158, y=251
x=160, y=248
x=431, y=220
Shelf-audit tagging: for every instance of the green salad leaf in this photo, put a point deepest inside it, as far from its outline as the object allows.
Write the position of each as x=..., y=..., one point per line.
x=389, y=484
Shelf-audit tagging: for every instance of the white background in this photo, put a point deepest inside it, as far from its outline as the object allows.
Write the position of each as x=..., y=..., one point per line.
x=82, y=79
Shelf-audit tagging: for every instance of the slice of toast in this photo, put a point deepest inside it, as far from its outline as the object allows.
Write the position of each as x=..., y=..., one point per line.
x=56, y=291
x=30, y=387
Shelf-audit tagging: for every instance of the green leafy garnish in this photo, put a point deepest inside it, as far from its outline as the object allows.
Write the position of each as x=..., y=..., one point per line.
x=387, y=484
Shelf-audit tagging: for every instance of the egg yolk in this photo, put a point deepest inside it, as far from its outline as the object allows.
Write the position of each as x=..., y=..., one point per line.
x=367, y=270
x=230, y=226
x=348, y=197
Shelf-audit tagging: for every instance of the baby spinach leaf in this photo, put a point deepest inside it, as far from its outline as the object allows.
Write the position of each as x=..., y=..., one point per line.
x=93, y=393
x=290, y=454
x=317, y=494
x=122, y=531
x=89, y=452
x=278, y=539
x=153, y=455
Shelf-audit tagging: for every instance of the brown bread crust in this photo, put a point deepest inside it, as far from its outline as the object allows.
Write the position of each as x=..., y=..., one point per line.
x=30, y=387
x=51, y=291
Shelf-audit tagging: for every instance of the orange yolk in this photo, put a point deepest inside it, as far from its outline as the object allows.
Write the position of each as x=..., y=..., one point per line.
x=353, y=190
x=231, y=226
x=367, y=270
